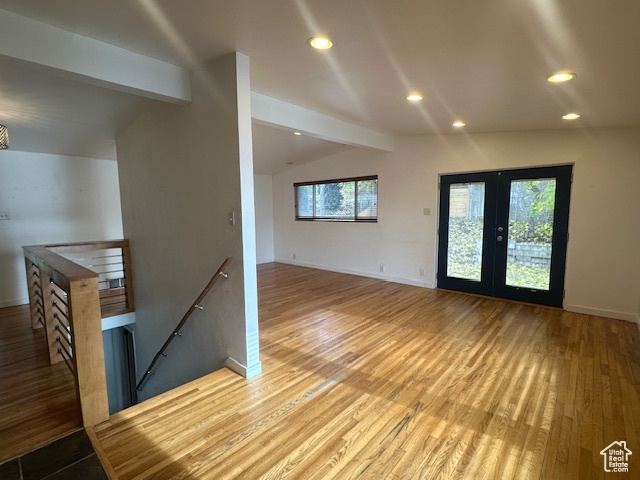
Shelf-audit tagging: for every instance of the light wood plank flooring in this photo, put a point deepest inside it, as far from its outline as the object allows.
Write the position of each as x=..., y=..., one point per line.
x=37, y=400
x=368, y=379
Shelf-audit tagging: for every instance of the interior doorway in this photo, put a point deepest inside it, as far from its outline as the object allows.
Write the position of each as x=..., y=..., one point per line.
x=504, y=233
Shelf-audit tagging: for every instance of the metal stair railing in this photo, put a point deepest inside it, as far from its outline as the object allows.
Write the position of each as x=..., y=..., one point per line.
x=176, y=332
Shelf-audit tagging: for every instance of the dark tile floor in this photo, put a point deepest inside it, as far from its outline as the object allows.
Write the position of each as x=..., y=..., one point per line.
x=71, y=457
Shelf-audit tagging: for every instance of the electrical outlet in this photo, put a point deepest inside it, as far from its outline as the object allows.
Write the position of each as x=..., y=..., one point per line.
x=426, y=211
x=294, y=256
x=5, y=215
x=382, y=267
x=421, y=272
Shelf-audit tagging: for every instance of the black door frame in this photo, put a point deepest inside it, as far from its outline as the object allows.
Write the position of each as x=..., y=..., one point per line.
x=494, y=253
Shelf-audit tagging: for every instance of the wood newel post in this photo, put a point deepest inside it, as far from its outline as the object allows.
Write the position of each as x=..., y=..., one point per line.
x=88, y=350
x=49, y=321
x=32, y=288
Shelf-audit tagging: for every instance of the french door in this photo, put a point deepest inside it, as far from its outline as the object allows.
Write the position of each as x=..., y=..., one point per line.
x=504, y=233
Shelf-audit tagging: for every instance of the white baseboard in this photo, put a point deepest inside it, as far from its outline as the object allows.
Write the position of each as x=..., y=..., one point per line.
x=13, y=303
x=627, y=317
x=246, y=372
x=269, y=260
x=360, y=273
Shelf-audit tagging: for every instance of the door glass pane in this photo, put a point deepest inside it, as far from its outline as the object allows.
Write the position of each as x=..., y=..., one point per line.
x=466, y=222
x=531, y=208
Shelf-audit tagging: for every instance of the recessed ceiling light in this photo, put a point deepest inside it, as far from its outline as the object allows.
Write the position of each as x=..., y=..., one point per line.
x=289, y=163
x=458, y=124
x=414, y=97
x=571, y=116
x=561, y=77
x=321, y=43
x=297, y=133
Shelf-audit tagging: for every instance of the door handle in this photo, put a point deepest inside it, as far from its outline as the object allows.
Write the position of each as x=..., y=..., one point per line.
x=499, y=238
x=500, y=229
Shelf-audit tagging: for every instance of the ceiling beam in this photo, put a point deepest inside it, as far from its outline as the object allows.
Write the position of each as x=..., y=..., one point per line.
x=91, y=61
x=270, y=111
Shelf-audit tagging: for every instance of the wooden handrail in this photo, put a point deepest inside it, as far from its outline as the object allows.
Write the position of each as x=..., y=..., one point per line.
x=48, y=258
x=192, y=308
x=87, y=246
x=58, y=268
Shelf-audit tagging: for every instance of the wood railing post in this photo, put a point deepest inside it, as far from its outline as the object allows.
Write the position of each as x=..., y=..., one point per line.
x=33, y=286
x=88, y=350
x=49, y=320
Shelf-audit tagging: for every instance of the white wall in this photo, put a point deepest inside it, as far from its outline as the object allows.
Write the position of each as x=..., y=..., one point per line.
x=52, y=199
x=603, y=259
x=263, y=187
x=183, y=169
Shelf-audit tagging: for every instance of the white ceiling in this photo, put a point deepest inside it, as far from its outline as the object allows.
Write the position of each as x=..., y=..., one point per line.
x=50, y=114
x=280, y=149
x=481, y=61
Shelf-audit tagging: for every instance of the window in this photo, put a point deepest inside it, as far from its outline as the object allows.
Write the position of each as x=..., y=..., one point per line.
x=343, y=200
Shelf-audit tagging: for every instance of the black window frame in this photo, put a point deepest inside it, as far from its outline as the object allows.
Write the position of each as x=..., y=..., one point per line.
x=316, y=218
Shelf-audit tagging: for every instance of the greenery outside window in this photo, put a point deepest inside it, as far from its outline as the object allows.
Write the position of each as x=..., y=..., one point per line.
x=342, y=200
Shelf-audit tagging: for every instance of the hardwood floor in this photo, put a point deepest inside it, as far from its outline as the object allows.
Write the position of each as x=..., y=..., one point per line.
x=37, y=400
x=368, y=379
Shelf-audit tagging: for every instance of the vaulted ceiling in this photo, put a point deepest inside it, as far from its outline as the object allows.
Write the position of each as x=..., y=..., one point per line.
x=483, y=62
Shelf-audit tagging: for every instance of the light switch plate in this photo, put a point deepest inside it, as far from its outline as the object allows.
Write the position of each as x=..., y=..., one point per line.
x=5, y=215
